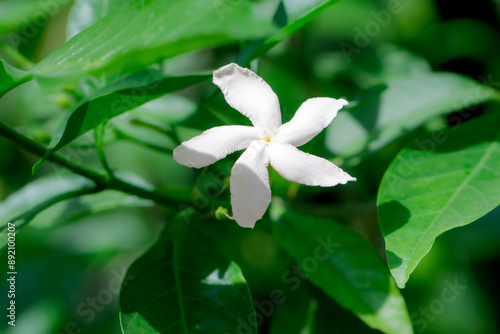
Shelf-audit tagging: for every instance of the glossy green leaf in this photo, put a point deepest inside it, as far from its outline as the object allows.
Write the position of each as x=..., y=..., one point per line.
x=184, y=284
x=291, y=16
x=22, y=206
x=404, y=105
x=340, y=262
x=85, y=13
x=10, y=77
x=441, y=181
x=121, y=41
x=105, y=106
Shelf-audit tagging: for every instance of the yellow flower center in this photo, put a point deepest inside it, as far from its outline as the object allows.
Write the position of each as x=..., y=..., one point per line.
x=268, y=139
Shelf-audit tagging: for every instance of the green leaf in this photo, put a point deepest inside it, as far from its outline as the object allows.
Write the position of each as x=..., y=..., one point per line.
x=144, y=32
x=291, y=16
x=184, y=284
x=11, y=77
x=85, y=13
x=22, y=206
x=340, y=262
x=405, y=104
x=105, y=106
x=440, y=181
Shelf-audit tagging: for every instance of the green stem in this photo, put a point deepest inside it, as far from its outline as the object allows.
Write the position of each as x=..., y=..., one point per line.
x=38, y=149
x=29, y=215
x=102, y=180
x=20, y=60
x=99, y=144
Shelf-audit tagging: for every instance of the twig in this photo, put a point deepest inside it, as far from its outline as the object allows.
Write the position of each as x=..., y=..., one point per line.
x=102, y=180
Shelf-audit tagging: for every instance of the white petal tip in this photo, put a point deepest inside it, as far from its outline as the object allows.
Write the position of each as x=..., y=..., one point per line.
x=176, y=155
x=247, y=226
x=336, y=182
x=347, y=179
x=225, y=71
x=245, y=222
x=343, y=102
x=180, y=155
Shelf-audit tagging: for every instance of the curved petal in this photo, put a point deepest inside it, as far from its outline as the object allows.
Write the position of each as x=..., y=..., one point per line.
x=310, y=119
x=250, y=191
x=214, y=144
x=297, y=166
x=248, y=93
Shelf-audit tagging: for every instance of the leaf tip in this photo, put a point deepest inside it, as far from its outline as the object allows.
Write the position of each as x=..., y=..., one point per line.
x=401, y=283
x=36, y=166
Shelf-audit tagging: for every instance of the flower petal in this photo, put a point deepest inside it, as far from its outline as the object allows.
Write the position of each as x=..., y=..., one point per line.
x=214, y=144
x=312, y=117
x=248, y=93
x=250, y=190
x=297, y=166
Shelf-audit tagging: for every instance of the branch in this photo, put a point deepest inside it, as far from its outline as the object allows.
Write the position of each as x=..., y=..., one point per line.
x=102, y=180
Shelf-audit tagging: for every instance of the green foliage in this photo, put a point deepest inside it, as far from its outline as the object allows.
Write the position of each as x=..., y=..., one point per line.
x=22, y=206
x=399, y=106
x=11, y=77
x=184, y=284
x=126, y=44
x=124, y=96
x=443, y=180
x=345, y=267
x=94, y=9
x=108, y=89
x=15, y=14
x=68, y=211
x=290, y=16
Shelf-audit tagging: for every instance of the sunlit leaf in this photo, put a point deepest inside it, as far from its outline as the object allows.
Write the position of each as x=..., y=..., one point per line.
x=441, y=181
x=122, y=41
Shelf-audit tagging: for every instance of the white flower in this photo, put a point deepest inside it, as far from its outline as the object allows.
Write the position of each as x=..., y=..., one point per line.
x=267, y=142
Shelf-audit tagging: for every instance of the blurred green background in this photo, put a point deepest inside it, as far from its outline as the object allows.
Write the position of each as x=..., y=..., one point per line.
x=71, y=255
